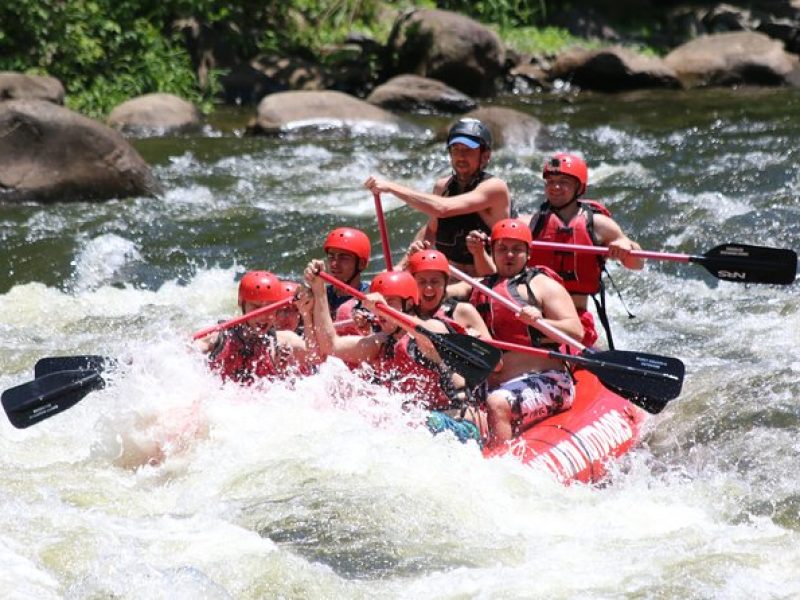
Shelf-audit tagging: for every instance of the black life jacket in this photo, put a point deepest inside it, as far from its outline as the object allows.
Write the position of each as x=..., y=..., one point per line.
x=451, y=232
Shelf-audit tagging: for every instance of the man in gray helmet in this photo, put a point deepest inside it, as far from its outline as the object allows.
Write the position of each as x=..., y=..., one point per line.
x=463, y=206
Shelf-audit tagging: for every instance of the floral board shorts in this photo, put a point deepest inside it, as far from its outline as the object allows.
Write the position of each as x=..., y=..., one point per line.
x=535, y=396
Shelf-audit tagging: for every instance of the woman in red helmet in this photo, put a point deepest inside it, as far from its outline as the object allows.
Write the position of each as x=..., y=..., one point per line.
x=397, y=355
x=527, y=388
x=468, y=199
x=431, y=270
x=565, y=219
x=257, y=348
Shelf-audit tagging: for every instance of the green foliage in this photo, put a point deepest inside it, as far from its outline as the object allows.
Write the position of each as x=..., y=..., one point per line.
x=107, y=51
x=545, y=40
x=103, y=51
x=506, y=14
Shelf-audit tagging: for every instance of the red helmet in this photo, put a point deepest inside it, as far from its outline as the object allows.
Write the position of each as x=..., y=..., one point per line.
x=396, y=283
x=290, y=287
x=568, y=164
x=349, y=240
x=428, y=260
x=261, y=287
x=511, y=229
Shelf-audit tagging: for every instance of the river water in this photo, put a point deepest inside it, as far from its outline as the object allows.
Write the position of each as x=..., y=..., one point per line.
x=168, y=484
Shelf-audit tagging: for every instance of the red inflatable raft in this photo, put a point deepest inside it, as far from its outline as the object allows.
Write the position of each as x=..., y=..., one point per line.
x=578, y=444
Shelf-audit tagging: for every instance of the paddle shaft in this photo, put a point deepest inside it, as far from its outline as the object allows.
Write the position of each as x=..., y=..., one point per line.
x=546, y=328
x=387, y=251
x=246, y=317
x=602, y=250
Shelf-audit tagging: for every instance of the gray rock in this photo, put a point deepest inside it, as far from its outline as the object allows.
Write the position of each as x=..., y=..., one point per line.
x=324, y=110
x=16, y=86
x=155, y=113
x=412, y=93
x=612, y=69
x=49, y=153
x=736, y=58
x=449, y=47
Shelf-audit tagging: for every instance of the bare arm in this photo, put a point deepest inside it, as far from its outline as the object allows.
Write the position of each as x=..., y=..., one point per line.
x=492, y=193
x=305, y=305
x=558, y=310
x=468, y=317
x=610, y=234
x=477, y=242
x=350, y=348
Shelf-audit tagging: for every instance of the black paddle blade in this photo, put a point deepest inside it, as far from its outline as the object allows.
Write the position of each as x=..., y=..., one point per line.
x=46, y=396
x=750, y=264
x=466, y=355
x=648, y=380
x=87, y=362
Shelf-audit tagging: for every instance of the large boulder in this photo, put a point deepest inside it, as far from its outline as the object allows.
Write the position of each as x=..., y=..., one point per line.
x=742, y=57
x=449, y=47
x=414, y=93
x=509, y=127
x=16, y=86
x=612, y=69
x=325, y=110
x=49, y=153
x=155, y=113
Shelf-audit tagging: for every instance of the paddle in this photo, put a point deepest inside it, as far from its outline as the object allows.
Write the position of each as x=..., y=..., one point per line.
x=730, y=262
x=89, y=362
x=467, y=355
x=387, y=251
x=647, y=380
x=245, y=317
x=49, y=395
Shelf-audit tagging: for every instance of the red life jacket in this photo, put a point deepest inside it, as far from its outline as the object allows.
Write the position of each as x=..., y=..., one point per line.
x=581, y=272
x=502, y=322
x=243, y=360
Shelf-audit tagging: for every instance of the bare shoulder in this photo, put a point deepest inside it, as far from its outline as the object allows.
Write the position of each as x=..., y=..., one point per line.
x=545, y=285
x=465, y=309
x=496, y=191
x=607, y=229
x=494, y=185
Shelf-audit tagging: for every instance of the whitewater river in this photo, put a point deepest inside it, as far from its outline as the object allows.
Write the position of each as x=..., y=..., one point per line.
x=168, y=484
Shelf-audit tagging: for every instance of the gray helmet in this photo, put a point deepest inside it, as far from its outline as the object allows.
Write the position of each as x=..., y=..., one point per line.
x=471, y=132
